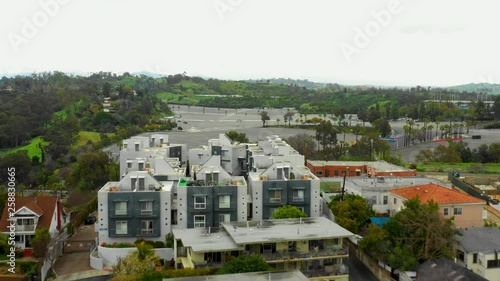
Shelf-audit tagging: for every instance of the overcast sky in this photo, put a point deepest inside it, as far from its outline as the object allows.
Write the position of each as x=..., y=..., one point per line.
x=390, y=42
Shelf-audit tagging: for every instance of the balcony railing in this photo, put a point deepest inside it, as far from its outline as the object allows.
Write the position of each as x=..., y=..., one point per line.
x=275, y=200
x=313, y=254
x=298, y=199
x=327, y=270
x=25, y=227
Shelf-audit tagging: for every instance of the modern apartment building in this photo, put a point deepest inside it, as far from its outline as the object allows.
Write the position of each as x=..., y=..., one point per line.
x=138, y=206
x=281, y=184
x=210, y=197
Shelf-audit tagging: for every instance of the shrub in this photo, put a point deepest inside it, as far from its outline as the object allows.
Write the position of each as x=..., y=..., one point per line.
x=158, y=244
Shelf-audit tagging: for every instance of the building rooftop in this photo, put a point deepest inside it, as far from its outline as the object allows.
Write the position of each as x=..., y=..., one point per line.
x=270, y=231
x=444, y=270
x=437, y=193
x=387, y=183
x=480, y=239
x=251, y=276
x=206, y=239
x=379, y=166
x=44, y=206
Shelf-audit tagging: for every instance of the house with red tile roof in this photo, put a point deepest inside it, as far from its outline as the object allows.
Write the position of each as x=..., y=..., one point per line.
x=32, y=213
x=467, y=210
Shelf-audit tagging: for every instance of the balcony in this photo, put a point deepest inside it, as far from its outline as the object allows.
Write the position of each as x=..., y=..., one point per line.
x=20, y=228
x=335, y=270
x=311, y=255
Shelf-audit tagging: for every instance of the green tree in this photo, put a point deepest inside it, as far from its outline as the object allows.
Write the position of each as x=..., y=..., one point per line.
x=142, y=260
x=264, y=116
x=351, y=213
x=40, y=242
x=288, y=117
x=244, y=264
x=239, y=137
x=415, y=234
x=288, y=212
x=326, y=134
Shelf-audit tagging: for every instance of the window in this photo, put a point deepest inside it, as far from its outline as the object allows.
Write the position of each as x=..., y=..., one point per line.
x=386, y=200
x=460, y=255
x=474, y=258
x=445, y=212
x=336, y=173
x=136, y=147
x=275, y=196
x=133, y=183
x=142, y=183
x=224, y=218
x=395, y=201
x=129, y=164
x=146, y=207
x=224, y=201
x=147, y=227
x=141, y=166
x=493, y=264
x=279, y=173
x=199, y=221
x=457, y=211
x=319, y=173
x=298, y=195
x=121, y=208
x=121, y=227
x=200, y=202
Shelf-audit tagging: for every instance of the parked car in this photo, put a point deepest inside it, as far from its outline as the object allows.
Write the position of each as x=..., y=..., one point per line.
x=90, y=219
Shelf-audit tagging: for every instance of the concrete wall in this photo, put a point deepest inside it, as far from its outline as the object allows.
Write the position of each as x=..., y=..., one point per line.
x=110, y=256
x=371, y=263
x=95, y=261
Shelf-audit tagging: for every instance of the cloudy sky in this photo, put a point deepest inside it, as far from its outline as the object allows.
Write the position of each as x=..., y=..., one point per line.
x=389, y=42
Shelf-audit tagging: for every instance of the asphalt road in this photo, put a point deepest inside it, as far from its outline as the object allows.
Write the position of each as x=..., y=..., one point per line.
x=358, y=270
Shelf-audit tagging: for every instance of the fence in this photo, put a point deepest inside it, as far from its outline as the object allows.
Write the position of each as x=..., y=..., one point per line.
x=467, y=188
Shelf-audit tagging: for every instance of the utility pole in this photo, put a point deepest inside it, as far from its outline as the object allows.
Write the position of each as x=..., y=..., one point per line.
x=343, y=185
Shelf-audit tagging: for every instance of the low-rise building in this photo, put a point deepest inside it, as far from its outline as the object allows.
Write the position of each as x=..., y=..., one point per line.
x=30, y=214
x=478, y=249
x=358, y=168
x=466, y=210
x=315, y=246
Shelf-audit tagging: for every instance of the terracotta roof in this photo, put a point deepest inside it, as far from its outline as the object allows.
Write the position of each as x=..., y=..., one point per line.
x=44, y=205
x=437, y=193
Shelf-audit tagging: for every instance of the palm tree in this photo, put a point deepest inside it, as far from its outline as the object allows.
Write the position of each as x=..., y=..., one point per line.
x=145, y=252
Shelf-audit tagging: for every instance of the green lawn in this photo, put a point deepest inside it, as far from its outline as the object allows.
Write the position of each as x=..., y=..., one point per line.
x=32, y=148
x=329, y=186
x=477, y=168
x=86, y=136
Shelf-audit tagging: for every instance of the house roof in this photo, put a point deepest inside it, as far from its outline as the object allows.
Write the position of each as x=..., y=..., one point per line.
x=200, y=240
x=437, y=193
x=480, y=239
x=445, y=270
x=41, y=205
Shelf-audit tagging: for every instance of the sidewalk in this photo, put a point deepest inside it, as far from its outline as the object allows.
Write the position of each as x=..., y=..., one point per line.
x=82, y=275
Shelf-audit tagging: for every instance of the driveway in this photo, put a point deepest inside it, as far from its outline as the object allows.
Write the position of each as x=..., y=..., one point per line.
x=76, y=261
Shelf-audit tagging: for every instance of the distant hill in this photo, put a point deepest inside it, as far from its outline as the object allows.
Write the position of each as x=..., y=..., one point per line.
x=287, y=81
x=489, y=88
